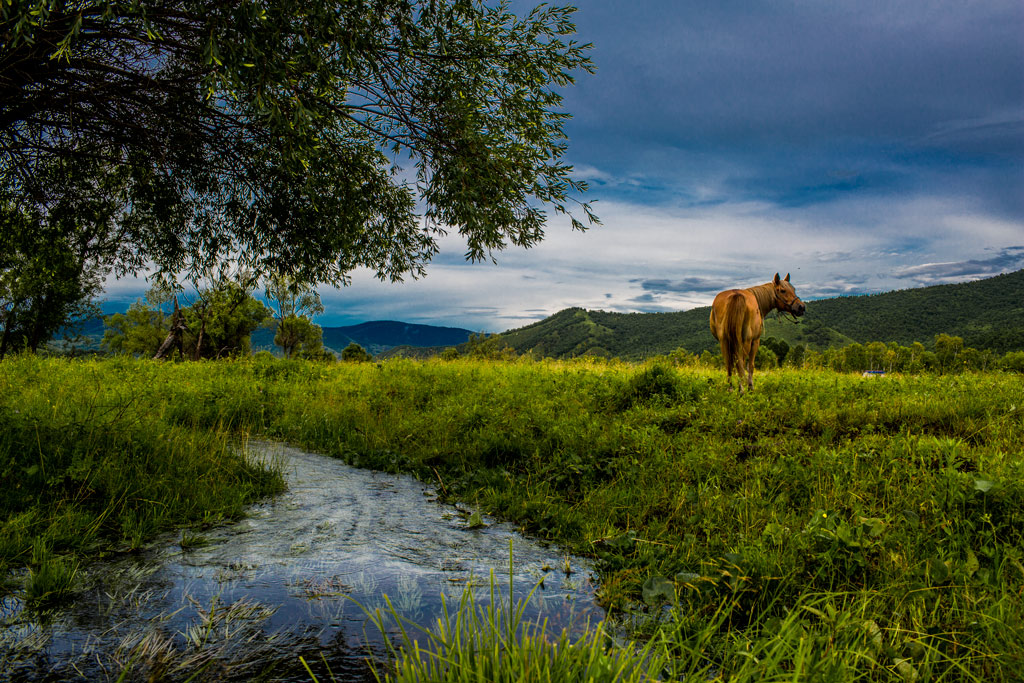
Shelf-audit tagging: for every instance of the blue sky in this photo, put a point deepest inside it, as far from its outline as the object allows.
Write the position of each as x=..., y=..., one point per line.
x=860, y=146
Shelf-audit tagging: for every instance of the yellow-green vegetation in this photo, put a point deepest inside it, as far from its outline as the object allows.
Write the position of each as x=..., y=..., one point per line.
x=826, y=525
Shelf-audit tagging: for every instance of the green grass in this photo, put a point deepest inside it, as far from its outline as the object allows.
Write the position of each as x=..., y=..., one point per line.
x=495, y=643
x=826, y=525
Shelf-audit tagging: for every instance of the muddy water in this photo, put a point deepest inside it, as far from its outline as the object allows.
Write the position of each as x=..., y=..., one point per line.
x=246, y=600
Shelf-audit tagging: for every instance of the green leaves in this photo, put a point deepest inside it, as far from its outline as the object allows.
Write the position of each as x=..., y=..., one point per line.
x=270, y=131
x=658, y=589
x=984, y=485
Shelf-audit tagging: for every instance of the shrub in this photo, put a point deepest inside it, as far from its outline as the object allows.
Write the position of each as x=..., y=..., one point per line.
x=354, y=353
x=655, y=382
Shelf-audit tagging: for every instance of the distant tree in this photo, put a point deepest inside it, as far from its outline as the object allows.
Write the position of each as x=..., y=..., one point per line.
x=219, y=322
x=269, y=131
x=971, y=359
x=947, y=351
x=765, y=359
x=294, y=303
x=292, y=296
x=354, y=353
x=930, y=362
x=914, y=362
x=795, y=357
x=854, y=358
x=139, y=331
x=223, y=318
x=896, y=357
x=1013, y=361
x=777, y=346
x=813, y=359
x=297, y=335
x=876, y=356
x=451, y=353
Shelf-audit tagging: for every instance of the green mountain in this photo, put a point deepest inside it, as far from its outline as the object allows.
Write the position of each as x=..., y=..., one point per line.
x=988, y=314
x=376, y=336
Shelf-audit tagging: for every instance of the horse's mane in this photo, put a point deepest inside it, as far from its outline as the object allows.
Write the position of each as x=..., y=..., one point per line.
x=765, y=295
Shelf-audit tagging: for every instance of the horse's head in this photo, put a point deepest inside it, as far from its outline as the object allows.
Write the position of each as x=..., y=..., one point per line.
x=786, y=298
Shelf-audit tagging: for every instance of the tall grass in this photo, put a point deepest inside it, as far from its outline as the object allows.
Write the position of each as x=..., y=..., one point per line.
x=494, y=643
x=823, y=522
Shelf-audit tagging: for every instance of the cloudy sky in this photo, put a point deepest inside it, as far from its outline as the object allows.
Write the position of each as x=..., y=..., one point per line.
x=861, y=146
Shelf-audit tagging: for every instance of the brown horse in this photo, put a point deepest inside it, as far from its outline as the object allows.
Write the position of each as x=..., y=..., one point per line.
x=737, y=320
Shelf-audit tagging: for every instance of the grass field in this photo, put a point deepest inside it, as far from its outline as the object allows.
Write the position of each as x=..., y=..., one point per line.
x=826, y=526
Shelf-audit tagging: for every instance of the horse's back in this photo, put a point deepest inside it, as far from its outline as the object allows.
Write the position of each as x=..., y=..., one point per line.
x=720, y=311
x=736, y=311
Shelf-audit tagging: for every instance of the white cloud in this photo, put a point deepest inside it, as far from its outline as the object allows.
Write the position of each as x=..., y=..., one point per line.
x=848, y=247
x=676, y=257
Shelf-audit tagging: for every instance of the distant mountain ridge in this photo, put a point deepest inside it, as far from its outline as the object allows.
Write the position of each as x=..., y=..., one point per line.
x=988, y=314
x=377, y=336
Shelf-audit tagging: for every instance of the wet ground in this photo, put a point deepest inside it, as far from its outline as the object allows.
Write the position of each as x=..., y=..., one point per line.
x=244, y=601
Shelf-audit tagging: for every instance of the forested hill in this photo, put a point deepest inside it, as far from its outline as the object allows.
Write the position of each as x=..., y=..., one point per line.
x=988, y=314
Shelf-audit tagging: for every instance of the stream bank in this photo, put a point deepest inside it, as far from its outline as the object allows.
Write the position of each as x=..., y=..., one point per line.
x=245, y=600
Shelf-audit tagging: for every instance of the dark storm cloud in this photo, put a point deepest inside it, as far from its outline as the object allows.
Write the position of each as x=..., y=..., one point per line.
x=1009, y=259
x=685, y=285
x=806, y=101
x=722, y=72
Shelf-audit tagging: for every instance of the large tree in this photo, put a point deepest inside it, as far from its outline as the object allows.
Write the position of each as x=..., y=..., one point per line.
x=53, y=262
x=302, y=137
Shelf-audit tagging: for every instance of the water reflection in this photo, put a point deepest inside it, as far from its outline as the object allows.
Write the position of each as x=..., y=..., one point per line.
x=244, y=601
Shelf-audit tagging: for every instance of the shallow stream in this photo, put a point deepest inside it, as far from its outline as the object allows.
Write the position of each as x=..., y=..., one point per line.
x=245, y=600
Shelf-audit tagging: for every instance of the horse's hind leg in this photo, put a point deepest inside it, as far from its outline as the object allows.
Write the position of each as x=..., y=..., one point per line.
x=741, y=368
x=727, y=357
x=754, y=345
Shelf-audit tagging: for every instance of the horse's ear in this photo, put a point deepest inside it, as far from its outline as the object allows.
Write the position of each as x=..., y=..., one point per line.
x=787, y=277
x=776, y=278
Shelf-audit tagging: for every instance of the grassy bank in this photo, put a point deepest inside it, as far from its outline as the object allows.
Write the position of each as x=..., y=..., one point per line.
x=826, y=525
x=90, y=464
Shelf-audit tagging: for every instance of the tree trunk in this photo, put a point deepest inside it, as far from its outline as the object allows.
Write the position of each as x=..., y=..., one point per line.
x=174, y=335
x=6, y=337
x=36, y=336
x=199, y=338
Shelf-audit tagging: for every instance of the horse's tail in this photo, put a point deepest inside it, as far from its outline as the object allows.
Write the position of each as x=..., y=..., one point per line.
x=735, y=322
